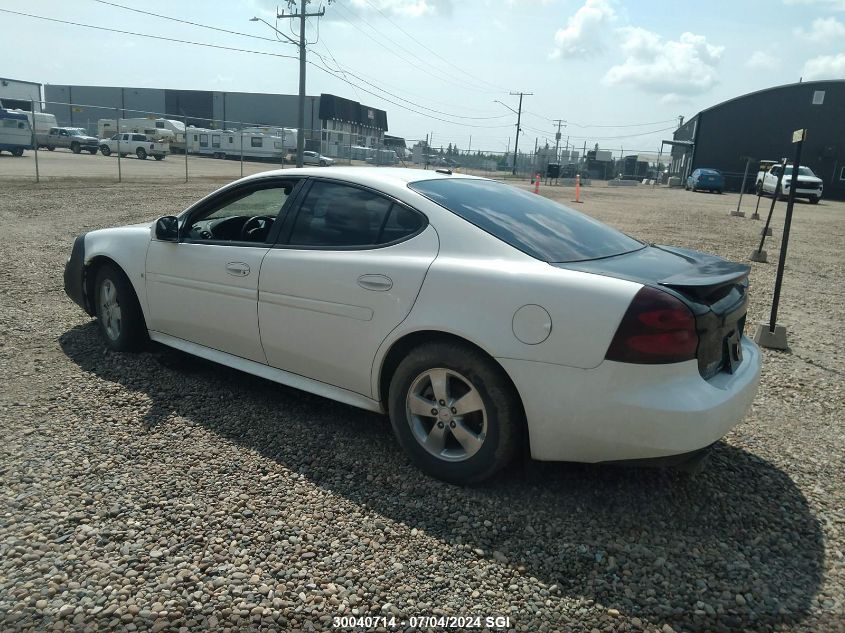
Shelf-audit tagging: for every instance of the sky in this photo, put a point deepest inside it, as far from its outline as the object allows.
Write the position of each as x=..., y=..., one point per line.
x=617, y=72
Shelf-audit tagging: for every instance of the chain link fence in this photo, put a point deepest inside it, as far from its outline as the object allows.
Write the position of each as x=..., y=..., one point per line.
x=79, y=141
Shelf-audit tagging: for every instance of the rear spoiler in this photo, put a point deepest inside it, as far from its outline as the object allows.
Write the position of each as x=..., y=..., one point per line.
x=707, y=276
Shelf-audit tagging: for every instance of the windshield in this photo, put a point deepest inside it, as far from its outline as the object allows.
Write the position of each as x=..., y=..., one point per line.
x=802, y=171
x=531, y=223
x=77, y=131
x=710, y=172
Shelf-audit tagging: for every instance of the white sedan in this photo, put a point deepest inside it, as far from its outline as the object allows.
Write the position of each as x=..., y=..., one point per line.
x=478, y=316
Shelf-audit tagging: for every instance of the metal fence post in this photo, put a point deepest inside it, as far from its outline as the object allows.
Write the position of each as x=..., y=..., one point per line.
x=34, y=140
x=185, y=121
x=242, y=150
x=119, y=172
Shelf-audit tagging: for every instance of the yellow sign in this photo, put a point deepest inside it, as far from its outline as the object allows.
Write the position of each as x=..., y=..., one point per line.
x=799, y=135
x=78, y=109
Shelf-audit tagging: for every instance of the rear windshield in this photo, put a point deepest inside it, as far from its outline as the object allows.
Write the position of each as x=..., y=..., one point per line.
x=710, y=172
x=533, y=224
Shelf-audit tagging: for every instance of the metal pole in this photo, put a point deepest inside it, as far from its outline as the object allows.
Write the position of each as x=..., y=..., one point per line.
x=742, y=188
x=119, y=171
x=300, y=138
x=772, y=207
x=185, y=120
x=516, y=142
x=34, y=139
x=242, y=150
x=786, y=225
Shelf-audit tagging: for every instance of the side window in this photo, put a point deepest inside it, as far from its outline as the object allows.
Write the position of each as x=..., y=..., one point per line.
x=842, y=174
x=215, y=140
x=256, y=141
x=139, y=137
x=203, y=140
x=245, y=217
x=116, y=137
x=335, y=215
x=401, y=223
x=160, y=125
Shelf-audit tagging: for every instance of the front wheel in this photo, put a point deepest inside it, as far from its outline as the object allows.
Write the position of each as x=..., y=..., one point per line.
x=50, y=148
x=104, y=149
x=75, y=147
x=18, y=151
x=759, y=188
x=94, y=151
x=323, y=163
x=814, y=200
x=141, y=153
x=118, y=311
x=454, y=412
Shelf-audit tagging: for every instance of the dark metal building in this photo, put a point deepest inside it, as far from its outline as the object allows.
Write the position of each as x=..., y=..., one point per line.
x=760, y=125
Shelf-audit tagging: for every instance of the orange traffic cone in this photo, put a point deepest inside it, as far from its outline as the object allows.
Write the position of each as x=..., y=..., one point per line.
x=577, y=189
x=537, y=182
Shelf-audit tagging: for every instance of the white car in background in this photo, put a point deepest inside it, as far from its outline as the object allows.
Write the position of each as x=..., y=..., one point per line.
x=316, y=158
x=477, y=315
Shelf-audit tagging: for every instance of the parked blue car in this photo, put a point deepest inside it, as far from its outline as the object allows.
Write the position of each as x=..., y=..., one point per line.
x=709, y=179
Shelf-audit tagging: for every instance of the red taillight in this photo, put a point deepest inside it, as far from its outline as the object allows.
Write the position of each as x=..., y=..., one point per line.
x=657, y=328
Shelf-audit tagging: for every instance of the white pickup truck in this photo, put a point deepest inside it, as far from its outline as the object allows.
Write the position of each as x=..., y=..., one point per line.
x=139, y=144
x=808, y=185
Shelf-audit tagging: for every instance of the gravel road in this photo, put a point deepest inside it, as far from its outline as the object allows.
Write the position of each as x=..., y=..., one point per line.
x=156, y=492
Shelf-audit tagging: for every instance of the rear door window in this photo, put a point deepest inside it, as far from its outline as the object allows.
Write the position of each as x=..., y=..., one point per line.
x=533, y=224
x=335, y=215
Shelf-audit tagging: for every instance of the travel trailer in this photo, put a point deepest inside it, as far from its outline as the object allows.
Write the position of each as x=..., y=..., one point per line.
x=15, y=132
x=227, y=144
x=169, y=130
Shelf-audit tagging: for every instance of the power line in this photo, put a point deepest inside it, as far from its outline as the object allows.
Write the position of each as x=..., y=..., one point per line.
x=424, y=68
x=435, y=53
x=197, y=24
x=154, y=37
x=404, y=107
x=454, y=116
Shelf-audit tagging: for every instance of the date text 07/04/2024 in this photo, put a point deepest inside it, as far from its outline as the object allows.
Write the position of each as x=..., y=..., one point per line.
x=423, y=621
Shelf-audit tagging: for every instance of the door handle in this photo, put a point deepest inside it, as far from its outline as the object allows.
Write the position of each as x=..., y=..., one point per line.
x=379, y=283
x=237, y=269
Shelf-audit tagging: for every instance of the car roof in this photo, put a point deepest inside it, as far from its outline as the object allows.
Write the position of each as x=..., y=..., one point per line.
x=364, y=175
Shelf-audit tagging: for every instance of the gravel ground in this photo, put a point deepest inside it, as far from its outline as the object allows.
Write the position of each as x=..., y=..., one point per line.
x=158, y=492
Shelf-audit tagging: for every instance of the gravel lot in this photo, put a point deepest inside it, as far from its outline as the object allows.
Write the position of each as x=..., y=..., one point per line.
x=159, y=492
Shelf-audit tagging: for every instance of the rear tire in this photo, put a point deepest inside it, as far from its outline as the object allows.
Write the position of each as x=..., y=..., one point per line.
x=18, y=151
x=75, y=148
x=119, y=315
x=141, y=153
x=428, y=389
x=158, y=157
x=94, y=151
x=50, y=148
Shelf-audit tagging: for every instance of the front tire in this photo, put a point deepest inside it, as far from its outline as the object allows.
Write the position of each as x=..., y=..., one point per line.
x=75, y=147
x=814, y=199
x=454, y=412
x=50, y=148
x=119, y=315
x=18, y=151
x=104, y=149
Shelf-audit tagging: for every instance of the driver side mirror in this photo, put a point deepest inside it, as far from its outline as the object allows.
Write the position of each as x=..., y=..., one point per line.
x=167, y=229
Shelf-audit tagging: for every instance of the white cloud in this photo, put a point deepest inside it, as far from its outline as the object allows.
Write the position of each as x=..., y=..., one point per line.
x=834, y=5
x=407, y=8
x=760, y=60
x=824, y=30
x=671, y=68
x=825, y=67
x=583, y=32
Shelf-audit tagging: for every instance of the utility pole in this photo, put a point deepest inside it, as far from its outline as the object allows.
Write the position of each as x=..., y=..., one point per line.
x=518, y=123
x=300, y=138
x=557, y=139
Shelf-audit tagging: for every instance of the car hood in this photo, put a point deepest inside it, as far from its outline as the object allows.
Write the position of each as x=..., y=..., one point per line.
x=694, y=274
x=86, y=138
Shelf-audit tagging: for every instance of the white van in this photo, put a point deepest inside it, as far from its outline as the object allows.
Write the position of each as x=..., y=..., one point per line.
x=40, y=124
